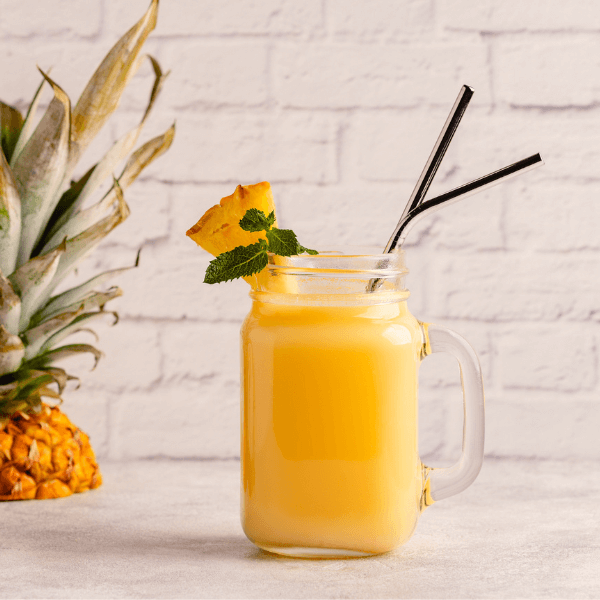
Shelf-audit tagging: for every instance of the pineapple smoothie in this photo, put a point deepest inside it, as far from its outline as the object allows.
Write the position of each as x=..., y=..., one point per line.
x=330, y=356
x=329, y=444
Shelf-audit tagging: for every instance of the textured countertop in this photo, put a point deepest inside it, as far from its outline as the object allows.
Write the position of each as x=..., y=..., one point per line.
x=170, y=529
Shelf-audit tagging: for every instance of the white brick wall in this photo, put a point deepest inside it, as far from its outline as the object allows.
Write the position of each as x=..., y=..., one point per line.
x=338, y=103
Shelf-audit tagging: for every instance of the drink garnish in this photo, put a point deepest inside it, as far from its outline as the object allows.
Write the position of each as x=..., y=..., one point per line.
x=244, y=261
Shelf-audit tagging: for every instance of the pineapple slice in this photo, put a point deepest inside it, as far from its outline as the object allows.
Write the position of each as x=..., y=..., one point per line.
x=218, y=229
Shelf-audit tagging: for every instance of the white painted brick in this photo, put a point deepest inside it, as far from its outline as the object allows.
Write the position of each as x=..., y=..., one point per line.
x=204, y=17
x=192, y=419
x=554, y=217
x=71, y=64
x=215, y=74
x=473, y=223
x=348, y=76
x=395, y=147
x=515, y=286
x=201, y=351
x=550, y=357
x=517, y=16
x=384, y=19
x=528, y=426
x=52, y=18
x=131, y=355
x=359, y=215
x=546, y=73
x=565, y=140
x=242, y=148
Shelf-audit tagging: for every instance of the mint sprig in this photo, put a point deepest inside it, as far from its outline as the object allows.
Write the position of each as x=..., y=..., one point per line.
x=244, y=261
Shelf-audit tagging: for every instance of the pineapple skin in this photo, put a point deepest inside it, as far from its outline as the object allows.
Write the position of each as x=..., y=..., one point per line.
x=43, y=455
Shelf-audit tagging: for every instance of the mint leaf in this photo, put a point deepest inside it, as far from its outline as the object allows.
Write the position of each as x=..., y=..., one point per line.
x=282, y=242
x=302, y=249
x=256, y=220
x=239, y=262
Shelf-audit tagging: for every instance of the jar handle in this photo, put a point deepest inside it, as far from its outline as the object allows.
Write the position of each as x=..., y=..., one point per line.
x=443, y=483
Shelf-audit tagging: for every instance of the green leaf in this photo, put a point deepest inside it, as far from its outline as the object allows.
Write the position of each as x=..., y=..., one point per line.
x=27, y=128
x=256, y=220
x=11, y=123
x=39, y=170
x=10, y=218
x=282, y=242
x=101, y=96
x=242, y=261
x=302, y=249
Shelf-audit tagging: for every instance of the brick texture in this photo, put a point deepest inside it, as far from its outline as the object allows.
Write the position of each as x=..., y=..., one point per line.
x=338, y=104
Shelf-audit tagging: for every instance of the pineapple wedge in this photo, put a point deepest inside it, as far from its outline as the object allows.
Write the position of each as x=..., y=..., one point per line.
x=218, y=229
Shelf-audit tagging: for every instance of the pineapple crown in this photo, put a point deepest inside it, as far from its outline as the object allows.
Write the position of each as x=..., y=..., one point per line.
x=45, y=229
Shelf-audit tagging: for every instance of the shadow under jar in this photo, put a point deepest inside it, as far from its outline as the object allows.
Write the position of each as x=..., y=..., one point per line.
x=329, y=456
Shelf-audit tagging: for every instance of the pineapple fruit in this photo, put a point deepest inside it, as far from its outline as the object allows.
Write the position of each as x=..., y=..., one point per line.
x=47, y=226
x=218, y=229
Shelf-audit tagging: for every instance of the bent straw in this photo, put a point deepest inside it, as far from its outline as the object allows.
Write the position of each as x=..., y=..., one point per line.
x=439, y=150
x=463, y=191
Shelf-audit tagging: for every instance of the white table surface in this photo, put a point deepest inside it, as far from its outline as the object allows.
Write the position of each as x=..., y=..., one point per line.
x=170, y=529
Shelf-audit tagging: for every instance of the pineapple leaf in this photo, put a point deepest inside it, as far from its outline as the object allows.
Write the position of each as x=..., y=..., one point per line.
x=33, y=279
x=71, y=297
x=10, y=218
x=11, y=122
x=10, y=305
x=124, y=145
x=63, y=209
x=91, y=301
x=40, y=168
x=144, y=155
x=82, y=220
x=82, y=244
x=36, y=337
x=52, y=356
x=12, y=351
x=102, y=94
x=74, y=327
x=27, y=128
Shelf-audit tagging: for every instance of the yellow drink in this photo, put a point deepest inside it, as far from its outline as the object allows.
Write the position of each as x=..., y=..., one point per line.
x=329, y=425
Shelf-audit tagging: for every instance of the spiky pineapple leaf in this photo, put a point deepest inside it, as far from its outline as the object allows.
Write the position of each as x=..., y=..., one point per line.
x=82, y=220
x=12, y=351
x=33, y=280
x=11, y=122
x=76, y=295
x=92, y=301
x=40, y=168
x=10, y=218
x=75, y=327
x=63, y=208
x=28, y=124
x=82, y=244
x=144, y=155
x=10, y=305
x=36, y=337
x=122, y=147
x=102, y=94
x=57, y=354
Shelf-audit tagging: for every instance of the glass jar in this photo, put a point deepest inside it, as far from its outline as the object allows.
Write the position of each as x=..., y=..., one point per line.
x=329, y=456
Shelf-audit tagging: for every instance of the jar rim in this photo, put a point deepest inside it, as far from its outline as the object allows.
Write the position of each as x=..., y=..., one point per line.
x=365, y=260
